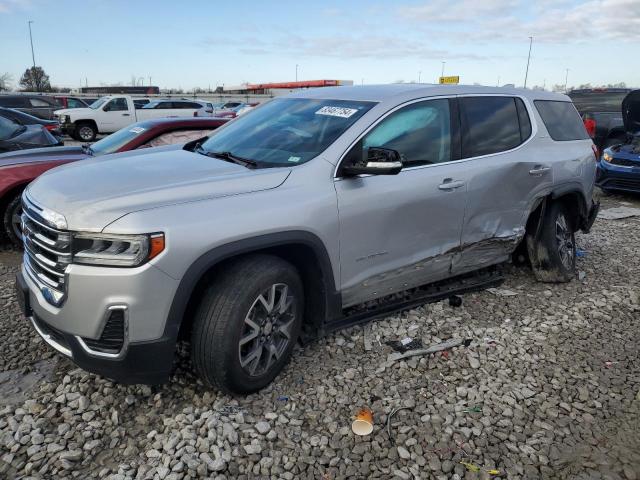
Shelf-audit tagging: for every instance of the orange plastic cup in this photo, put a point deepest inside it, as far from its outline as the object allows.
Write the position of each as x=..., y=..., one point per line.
x=363, y=424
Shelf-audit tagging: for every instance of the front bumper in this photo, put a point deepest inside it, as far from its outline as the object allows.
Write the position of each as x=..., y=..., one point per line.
x=614, y=177
x=146, y=355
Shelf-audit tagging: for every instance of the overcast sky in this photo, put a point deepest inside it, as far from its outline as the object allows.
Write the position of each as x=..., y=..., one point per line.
x=201, y=43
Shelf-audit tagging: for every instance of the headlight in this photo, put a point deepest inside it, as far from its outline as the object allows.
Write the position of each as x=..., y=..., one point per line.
x=116, y=250
x=607, y=157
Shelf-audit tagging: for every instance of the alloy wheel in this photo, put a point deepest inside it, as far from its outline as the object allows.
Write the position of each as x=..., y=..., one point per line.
x=267, y=329
x=85, y=133
x=564, y=239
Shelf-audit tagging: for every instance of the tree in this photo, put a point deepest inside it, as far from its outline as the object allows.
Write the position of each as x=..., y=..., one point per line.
x=34, y=79
x=5, y=81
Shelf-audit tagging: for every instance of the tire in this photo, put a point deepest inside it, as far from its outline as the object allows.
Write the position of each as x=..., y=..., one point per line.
x=11, y=220
x=235, y=307
x=85, y=132
x=553, y=253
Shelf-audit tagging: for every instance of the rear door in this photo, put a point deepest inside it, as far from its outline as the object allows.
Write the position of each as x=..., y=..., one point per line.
x=41, y=108
x=505, y=174
x=401, y=231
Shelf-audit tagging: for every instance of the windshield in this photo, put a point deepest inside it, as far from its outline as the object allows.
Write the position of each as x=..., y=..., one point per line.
x=287, y=131
x=7, y=128
x=117, y=140
x=98, y=103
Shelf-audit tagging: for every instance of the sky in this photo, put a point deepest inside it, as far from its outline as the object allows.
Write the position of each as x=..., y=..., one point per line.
x=210, y=43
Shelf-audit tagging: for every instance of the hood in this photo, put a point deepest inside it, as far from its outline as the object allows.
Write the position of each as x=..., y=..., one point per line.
x=48, y=154
x=631, y=112
x=93, y=193
x=78, y=111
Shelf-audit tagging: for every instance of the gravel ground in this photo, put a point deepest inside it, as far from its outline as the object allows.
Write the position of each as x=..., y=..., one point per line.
x=549, y=387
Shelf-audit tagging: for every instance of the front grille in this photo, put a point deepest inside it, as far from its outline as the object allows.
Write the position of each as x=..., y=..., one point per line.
x=623, y=162
x=47, y=252
x=112, y=339
x=623, y=184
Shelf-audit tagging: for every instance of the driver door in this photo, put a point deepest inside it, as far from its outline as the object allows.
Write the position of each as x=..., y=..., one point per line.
x=116, y=115
x=401, y=231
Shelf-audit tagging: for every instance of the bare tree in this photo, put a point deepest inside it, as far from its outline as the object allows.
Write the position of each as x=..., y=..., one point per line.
x=35, y=79
x=5, y=81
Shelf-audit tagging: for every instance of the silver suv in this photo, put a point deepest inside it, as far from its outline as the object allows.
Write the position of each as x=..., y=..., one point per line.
x=314, y=211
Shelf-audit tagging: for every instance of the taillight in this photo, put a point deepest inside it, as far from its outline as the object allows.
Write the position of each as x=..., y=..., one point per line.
x=596, y=152
x=590, y=125
x=51, y=127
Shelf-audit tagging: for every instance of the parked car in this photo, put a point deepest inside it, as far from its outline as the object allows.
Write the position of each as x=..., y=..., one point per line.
x=14, y=136
x=19, y=168
x=233, y=112
x=174, y=107
x=619, y=166
x=72, y=102
x=289, y=219
x=40, y=106
x=111, y=113
x=22, y=118
x=601, y=111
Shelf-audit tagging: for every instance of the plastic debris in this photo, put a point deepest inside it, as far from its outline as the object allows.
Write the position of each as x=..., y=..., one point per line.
x=456, y=342
x=455, y=301
x=405, y=344
x=617, y=213
x=475, y=468
x=391, y=415
x=491, y=341
x=502, y=292
x=610, y=364
x=363, y=424
x=474, y=409
x=283, y=398
x=367, y=337
x=581, y=275
x=580, y=253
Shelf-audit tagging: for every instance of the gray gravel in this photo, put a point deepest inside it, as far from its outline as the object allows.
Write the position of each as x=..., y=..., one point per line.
x=548, y=388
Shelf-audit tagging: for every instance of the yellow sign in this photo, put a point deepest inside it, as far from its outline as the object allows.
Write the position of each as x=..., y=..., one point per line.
x=450, y=80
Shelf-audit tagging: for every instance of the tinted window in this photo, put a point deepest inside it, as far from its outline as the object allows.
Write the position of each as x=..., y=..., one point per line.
x=490, y=125
x=420, y=132
x=13, y=102
x=117, y=105
x=37, y=102
x=562, y=120
x=523, y=118
x=73, y=103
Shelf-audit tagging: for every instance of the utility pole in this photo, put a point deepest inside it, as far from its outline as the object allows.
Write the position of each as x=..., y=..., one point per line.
x=526, y=75
x=149, y=80
x=419, y=74
x=33, y=58
x=443, y=64
x=566, y=78
x=498, y=84
x=296, y=72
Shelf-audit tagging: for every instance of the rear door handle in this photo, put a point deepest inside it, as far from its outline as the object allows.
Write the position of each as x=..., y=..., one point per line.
x=450, y=184
x=539, y=170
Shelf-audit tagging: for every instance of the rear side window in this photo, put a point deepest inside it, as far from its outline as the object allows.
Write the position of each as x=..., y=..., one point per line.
x=562, y=120
x=492, y=125
x=14, y=102
x=37, y=103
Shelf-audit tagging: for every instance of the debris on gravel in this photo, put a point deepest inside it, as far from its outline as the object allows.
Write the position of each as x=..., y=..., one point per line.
x=549, y=387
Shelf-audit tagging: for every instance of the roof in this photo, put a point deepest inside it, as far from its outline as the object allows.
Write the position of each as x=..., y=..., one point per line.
x=407, y=91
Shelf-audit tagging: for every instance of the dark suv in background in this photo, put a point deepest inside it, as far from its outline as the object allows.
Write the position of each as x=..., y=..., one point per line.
x=601, y=111
x=40, y=106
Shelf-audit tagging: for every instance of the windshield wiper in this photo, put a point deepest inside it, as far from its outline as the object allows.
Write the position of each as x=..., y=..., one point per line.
x=228, y=157
x=86, y=148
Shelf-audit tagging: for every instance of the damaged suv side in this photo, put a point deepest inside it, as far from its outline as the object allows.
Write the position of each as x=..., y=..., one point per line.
x=285, y=222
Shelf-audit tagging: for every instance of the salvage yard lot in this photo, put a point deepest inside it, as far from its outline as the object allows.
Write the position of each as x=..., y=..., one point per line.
x=549, y=387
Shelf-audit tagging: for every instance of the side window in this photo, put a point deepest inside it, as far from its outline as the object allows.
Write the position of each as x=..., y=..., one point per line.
x=73, y=103
x=420, y=132
x=489, y=125
x=162, y=105
x=117, y=105
x=38, y=103
x=14, y=102
x=562, y=120
x=525, y=121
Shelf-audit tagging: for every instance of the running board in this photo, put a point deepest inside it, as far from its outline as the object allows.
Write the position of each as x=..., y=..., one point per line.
x=418, y=296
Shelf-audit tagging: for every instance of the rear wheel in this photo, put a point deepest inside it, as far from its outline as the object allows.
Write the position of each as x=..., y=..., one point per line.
x=247, y=324
x=85, y=132
x=553, y=253
x=12, y=220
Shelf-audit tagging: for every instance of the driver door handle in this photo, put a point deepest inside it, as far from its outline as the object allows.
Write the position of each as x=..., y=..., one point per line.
x=126, y=115
x=449, y=184
x=538, y=170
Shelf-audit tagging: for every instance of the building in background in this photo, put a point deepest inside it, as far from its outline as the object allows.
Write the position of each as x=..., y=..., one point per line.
x=280, y=88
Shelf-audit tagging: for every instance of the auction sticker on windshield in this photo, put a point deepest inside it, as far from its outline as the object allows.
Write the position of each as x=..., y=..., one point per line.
x=341, y=112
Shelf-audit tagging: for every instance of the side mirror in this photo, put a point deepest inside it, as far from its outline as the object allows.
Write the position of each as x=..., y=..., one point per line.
x=106, y=108
x=380, y=161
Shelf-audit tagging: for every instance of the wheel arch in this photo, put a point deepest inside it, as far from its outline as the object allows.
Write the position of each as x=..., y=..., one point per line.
x=89, y=121
x=302, y=249
x=571, y=197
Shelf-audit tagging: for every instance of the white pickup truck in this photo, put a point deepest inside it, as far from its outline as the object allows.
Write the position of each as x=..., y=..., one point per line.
x=111, y=113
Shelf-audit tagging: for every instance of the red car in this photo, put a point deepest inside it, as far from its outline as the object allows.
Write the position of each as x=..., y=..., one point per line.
x=17, y=169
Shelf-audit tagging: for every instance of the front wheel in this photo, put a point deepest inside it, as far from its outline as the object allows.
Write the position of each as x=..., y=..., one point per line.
x=12, y=220
x=247, y=324
x=553, y=252
x=85, y=132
